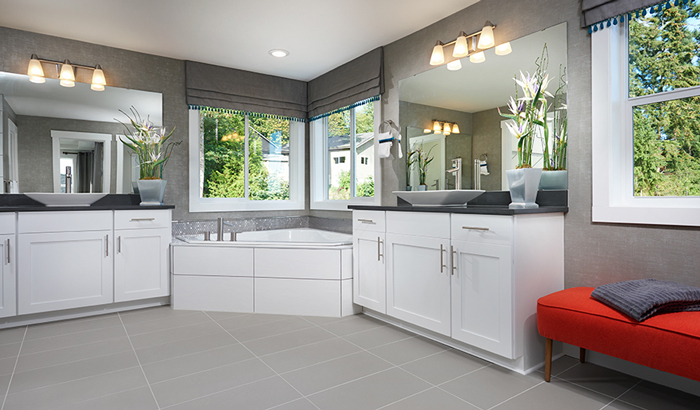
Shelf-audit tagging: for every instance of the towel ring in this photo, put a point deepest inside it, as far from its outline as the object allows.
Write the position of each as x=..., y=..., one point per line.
x=390, y=123
x=484, y=156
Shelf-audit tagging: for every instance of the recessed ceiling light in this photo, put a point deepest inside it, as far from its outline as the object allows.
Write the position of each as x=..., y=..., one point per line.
x=279, y=53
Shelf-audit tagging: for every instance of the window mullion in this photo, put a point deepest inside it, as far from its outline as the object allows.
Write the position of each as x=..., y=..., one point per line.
x=353, y=154
x=246, y=168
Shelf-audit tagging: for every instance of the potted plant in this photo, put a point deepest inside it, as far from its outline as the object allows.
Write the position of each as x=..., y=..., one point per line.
x=424, y=159
x=150, y=143
x=529, y=119
x=554, y=173
x=411, y=159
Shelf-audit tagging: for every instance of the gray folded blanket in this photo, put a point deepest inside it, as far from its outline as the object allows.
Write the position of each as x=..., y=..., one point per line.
x=641, y=299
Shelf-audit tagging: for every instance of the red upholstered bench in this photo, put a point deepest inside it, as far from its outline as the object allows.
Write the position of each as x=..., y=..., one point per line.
x=668, y=342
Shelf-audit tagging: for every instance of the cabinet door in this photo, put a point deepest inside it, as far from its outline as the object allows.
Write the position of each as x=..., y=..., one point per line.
x=141, y=264
x=8, y=305
x=64, y=270
x=369, y=276
x=482, y=296
x=418, y=281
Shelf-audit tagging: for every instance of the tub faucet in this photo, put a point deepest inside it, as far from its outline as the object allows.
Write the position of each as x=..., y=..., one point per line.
x=457, y=171
x=220, y=228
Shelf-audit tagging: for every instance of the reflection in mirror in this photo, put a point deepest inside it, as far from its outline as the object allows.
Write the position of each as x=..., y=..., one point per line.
x=470, y=97
x=50, y=125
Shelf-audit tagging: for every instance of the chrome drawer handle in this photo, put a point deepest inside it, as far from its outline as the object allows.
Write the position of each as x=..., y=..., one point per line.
x=142, y=219
x=475, y=228
x=453, y=252
x=8, y=251
x=106, y=245
x=367, y=221
x=379, y=249
x=442, y=261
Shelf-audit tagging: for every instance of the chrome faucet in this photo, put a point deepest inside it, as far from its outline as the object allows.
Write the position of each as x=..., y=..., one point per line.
x=457, y=171
x=220, y=228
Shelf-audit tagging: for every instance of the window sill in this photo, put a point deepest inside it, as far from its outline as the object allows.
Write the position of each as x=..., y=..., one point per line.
x=229, y=205
x=341, y=205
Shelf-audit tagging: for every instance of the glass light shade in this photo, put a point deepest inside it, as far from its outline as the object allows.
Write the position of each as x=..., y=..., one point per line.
x=437, y=127
x=477, y=58
x=35, y=70
x=438, y=56
x=486, y=37
x=455, y=129
x=98, y=79
x=427, y=131
x=503, y=49
x=446, y=129
x=461, y=48
x=67, y=76
x=455, y=65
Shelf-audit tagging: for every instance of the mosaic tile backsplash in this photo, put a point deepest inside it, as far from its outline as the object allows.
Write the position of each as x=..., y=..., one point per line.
x=263, y=224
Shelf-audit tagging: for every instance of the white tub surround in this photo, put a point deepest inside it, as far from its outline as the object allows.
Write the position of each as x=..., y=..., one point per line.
x=78, y=263
x=290, y=271
x=467, y=280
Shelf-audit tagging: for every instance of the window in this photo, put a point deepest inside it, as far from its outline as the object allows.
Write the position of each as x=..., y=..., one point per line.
x=341, y=142
x=646, y=145
x=245, y=161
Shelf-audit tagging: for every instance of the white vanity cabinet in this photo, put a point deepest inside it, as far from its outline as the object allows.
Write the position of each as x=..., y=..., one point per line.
x=418, y=269
x=8, y=305
x=369, y=258
x=64, y=260
x=141, y=254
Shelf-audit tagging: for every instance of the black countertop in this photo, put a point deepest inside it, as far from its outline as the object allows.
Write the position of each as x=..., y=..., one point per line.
x=489, y=203
x=22, y=203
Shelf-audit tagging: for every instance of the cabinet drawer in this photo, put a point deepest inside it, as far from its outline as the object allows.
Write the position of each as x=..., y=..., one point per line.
x=435, y=225
x=373, y=221
x=212, y=261
x=68, y=221
x=7, y=223
x=142, y=219
x=494, y=229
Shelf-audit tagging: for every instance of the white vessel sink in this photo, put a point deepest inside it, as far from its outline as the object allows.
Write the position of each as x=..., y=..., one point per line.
x=54, y=199
x=452, y=197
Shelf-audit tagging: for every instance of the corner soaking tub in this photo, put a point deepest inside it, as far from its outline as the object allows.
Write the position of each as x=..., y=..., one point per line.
x=288, y=271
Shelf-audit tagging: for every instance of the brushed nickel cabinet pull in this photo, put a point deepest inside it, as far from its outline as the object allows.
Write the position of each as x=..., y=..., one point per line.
x=452, y=259
x=367, y=221
x=442, y=260
x=475, y=228
x=106, y=245
x=8, y=251
x=379, y=249
x=119, y=244
x=142, y=219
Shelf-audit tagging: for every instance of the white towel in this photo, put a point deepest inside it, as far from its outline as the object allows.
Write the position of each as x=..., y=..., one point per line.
x=399, y=143
x=483, y=167
x=385, y=147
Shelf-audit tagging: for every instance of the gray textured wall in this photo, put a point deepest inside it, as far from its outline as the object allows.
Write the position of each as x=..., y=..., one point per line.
x=456, y=145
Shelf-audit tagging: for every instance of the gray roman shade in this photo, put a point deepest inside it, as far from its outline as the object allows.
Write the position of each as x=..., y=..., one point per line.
x=221, y=87
x=596, y=11
x=357, y=80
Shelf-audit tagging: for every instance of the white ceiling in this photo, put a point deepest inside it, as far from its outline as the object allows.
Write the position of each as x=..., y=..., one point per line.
x=319, y=34
x=478, y=87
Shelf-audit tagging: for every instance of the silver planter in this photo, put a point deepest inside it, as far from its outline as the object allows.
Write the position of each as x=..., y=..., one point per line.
x=151, y=191
x=523, y=184
x=554, y=180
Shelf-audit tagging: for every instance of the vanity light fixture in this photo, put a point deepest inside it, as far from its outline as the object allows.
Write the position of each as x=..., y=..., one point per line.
x=66, y=73
x=455, y=129
x=503, y=49
x=438, y=56
x=446, y=129
x=480, y=40
x=437, y=128
x=455, y=65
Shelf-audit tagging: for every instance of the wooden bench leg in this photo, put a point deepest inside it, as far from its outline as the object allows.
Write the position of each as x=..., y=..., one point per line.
x=582, y=355
x=548, y=360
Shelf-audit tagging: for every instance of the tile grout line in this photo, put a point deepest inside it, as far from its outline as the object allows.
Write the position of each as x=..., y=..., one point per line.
x=7, y=392
x=516, y=395
x=262, y=361
x=139, y=362
x=623, y=393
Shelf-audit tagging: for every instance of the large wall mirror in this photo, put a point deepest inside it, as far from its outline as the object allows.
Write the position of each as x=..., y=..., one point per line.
x=45, y=128
x=469, y=97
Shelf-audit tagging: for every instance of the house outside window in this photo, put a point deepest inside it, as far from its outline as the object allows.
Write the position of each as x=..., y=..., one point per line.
x=245, y=161
x=343, y=157
x=646, y=143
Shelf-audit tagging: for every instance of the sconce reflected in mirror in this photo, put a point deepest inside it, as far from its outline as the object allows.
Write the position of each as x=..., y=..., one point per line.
x=66, y=75
x=443, y=127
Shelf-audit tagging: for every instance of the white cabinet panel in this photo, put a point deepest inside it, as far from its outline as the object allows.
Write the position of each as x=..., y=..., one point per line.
x=8, y=305
x=64, y=221
x=418, y=281
x=7, y=223
x=213, y=260
x=140, y=219
x=369, y=277
x=141, y=264
x=64, y=270
x=495, y=229
x=214, y=293
x=298, y=296
x=482, y=296
x=436, y=225
x=368, y=221
x=297, y=263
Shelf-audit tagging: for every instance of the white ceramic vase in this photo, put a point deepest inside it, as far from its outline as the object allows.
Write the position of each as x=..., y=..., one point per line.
x=523, y=184
x=151, y=191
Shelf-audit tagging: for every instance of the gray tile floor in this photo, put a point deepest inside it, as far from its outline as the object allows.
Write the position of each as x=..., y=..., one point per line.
x=164, y=359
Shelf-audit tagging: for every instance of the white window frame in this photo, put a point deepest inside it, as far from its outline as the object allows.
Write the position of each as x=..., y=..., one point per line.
x=319, y=168
x=612, y=141
x=297, y=187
